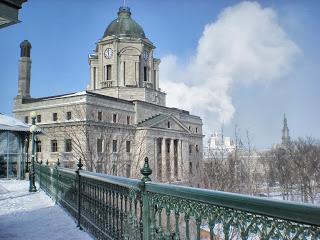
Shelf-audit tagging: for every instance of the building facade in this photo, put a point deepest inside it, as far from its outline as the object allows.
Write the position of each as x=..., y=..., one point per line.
x=121, y=117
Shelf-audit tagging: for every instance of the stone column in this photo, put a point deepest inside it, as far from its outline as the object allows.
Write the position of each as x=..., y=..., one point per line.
x=137, y=73
x=180, y=166
x=155, y=158
x=163, y=159
x=158, y=160
x=171, y=177
x=185, y=159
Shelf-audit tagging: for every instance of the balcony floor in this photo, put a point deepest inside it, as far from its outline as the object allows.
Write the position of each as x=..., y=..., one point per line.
x=25, y=215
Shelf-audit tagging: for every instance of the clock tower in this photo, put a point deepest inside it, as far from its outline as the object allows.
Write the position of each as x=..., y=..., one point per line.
x=123, y=65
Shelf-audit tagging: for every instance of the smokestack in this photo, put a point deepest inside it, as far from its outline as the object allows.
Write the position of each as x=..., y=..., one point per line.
x=24, y=70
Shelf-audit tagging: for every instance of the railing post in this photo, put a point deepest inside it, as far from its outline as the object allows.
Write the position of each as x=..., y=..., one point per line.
x=80, y=165
x=56, y=181
x=39, y=173
x=146, y=172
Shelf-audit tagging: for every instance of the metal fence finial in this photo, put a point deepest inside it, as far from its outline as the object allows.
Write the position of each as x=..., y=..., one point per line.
x=146, y=171
x=79, y=164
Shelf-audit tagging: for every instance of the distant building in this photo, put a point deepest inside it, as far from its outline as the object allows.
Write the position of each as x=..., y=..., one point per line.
x=13, y=136
x=121, y=118
x=219, y=147
x=9, y=12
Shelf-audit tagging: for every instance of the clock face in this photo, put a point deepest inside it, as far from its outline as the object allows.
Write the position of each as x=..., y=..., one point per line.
x=108, y=53
x=145, y=55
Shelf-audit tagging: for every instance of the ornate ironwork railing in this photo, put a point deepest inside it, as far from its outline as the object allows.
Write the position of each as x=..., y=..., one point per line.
x=110, y=207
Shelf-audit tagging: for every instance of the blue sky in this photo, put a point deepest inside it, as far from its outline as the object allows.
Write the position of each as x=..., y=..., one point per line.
x=63, y=33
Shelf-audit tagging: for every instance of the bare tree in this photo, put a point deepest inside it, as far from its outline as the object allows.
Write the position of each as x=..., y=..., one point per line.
x=294, y=167
x=106, y=144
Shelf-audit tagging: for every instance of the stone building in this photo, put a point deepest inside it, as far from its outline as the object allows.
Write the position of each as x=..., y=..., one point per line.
x=121, y=117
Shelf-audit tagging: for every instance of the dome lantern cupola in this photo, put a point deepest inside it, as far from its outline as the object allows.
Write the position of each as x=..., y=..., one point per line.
x=124, y=26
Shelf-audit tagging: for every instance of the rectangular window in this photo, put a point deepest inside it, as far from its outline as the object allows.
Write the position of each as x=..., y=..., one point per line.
x=68, y=145
x=190, y=167
x=114, y=118
x=197, y=148
x=128, y=170
x=190, y=149
x=38, y=118
x=54, y=146
x=128, y=120
x=38, y=146
x=99, y=145
x=169, y=125
x=99, y=168
x=128, y=146
x=100, y=116
x=196, y=130
x=69, y=115
x=26, y=119
x=114, y=146
x=145, y=74
x=108, y=72
x=155, y=76
x=54, y=117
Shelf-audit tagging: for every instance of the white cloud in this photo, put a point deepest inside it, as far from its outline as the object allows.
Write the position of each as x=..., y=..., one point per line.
x=246, y=45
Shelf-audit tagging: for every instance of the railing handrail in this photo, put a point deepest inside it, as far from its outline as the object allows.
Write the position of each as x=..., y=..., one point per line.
x=122, y=181
x=68, y=170
x=101, y=206
x=296, y=212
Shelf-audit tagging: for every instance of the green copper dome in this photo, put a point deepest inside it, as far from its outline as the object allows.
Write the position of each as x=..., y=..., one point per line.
x=124, y=26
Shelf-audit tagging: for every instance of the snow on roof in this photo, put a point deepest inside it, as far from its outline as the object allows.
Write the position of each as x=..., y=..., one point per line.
x=12, y=124
x=71, y=94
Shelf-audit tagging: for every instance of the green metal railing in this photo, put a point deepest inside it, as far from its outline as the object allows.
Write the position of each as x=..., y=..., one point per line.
x=110, y=207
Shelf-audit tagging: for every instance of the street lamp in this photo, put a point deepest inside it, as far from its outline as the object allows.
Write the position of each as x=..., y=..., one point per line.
x=33, y=130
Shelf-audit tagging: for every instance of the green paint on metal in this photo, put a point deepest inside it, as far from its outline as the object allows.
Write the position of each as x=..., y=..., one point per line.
x=111, y=207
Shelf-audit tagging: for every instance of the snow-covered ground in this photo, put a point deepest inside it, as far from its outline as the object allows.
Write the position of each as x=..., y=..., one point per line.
x=33, y=216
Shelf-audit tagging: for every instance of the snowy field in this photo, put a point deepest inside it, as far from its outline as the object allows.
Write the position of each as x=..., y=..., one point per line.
x=33, y=216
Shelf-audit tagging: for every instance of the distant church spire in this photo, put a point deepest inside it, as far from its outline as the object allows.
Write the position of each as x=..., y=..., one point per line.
x=285, y=131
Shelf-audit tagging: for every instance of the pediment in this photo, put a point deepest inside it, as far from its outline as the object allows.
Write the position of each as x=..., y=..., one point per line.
x=163, y=121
